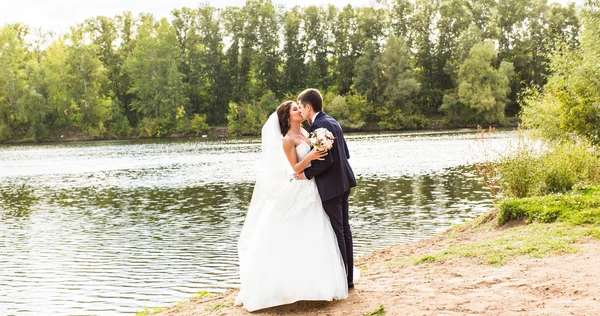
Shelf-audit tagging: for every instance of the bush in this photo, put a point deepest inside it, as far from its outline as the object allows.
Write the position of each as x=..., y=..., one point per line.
x=120, y=126
x=199, y=125
x=582, y=206
x=394, y=118
x=567, y=106
x=529, y=171
x=4, y=132
x=339, y=109
x=153, y=127
x=248, y=118
x=520, y=171
x=147, y=127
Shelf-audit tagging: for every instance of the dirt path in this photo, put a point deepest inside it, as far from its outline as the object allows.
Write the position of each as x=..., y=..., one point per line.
x=558, y=285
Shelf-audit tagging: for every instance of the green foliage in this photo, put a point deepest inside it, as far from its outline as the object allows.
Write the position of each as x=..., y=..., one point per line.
x=150, y=311
x=567, y=107
x=33, y=110
x=199, y=125
x=554, y=224
x=530, y=171
x=152, y=127
x=579, y=207
x=380, y=311
x=248, y=118
x=119, y=125
x=481, y=87
x=218, y=306
x=153, y=66
x=394, y=63
x=348, y=110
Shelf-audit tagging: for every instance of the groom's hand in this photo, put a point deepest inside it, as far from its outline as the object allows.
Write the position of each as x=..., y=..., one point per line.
x=299, y=176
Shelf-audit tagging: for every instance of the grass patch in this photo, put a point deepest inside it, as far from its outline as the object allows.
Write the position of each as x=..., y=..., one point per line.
x=554, y=224
x=380, y=311
x=153, y=311
x=218, y=306
x=535, y=240
x=150, y=311
x=578, y=207
x=201, y=294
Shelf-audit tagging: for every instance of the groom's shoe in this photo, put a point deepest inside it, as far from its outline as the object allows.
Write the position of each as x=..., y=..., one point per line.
x=351, y=285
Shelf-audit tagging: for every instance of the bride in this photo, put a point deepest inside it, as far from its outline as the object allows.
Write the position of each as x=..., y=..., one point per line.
x=288, y=251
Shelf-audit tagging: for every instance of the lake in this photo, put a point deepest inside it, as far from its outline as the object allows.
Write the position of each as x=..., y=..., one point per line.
x=112, y=227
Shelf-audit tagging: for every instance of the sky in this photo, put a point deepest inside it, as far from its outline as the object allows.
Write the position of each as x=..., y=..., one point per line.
x=58, y=15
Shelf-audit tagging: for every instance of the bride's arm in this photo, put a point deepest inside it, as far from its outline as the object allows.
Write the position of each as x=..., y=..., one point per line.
x=290, y=152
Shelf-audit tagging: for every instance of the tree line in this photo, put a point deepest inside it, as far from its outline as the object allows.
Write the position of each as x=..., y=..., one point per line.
x=391, y=65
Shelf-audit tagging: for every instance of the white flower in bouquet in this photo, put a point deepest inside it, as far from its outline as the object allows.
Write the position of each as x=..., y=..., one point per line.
x=321, y=139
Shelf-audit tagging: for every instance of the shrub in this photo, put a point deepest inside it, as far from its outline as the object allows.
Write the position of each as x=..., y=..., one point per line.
x=199, y=125
x=348, y=115
x=581, y=206
x=394, y=118
x=520, y=171
x=120, y=126
x=530, y=171
x=248, y=118
x=147, y=127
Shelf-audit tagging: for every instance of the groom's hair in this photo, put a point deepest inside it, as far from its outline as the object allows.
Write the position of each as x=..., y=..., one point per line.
x=312, y=97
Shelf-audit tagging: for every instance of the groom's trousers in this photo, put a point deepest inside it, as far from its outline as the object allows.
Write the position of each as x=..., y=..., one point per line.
x=337, y=210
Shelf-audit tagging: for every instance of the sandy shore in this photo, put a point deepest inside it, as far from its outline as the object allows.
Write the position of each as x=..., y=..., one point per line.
x=563, y=283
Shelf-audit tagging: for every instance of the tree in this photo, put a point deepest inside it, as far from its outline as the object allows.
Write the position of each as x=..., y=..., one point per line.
x=267, y=59
x=54, y=66
x=234, y=26
x=316, y=44
x=482, y=88
x=214, y=61
x=294, y=69
x=567, y=107
x=368, y=79
x=85, y=78
x=423, y=24
x=153, y=66
x=400, y=87
x=12, y=64
x=346, y=48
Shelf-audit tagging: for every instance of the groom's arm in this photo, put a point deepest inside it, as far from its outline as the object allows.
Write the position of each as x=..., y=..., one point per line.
x=318, y=166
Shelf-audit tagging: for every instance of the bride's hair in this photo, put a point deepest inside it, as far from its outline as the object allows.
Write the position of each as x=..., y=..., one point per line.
x=283, y=113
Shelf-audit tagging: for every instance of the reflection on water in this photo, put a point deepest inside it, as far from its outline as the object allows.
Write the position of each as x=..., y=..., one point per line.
x=113, y=227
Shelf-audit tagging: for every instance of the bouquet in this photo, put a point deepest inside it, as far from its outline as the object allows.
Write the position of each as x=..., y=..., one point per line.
x=321, y=139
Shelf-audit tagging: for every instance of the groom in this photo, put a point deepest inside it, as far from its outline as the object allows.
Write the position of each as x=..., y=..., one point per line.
x=333, y=175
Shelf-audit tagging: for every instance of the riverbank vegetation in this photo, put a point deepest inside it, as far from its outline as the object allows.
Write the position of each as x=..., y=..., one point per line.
x=403, y=64
x=562, y=121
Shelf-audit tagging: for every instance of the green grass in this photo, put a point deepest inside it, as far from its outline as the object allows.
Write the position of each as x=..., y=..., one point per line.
x=156, y=310
x=150, y=311
x=201, y=294
x=218, y=306
x=380, y=311
x=580, y=206
x=553, y=225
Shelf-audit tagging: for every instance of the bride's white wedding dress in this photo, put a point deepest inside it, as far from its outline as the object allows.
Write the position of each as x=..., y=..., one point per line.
x=288, y=250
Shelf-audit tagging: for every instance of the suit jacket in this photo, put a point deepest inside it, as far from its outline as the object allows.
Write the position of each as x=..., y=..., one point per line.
x=333, y=175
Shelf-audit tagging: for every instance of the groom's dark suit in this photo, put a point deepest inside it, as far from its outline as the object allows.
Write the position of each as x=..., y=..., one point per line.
x=334, y=179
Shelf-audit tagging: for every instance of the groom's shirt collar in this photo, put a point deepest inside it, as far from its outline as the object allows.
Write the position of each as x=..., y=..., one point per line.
x=315, y=117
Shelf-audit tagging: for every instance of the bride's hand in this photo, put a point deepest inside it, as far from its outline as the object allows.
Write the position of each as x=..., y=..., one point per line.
x=317, y=155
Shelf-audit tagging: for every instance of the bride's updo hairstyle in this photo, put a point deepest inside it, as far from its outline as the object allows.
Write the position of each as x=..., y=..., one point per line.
x=283, y=113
